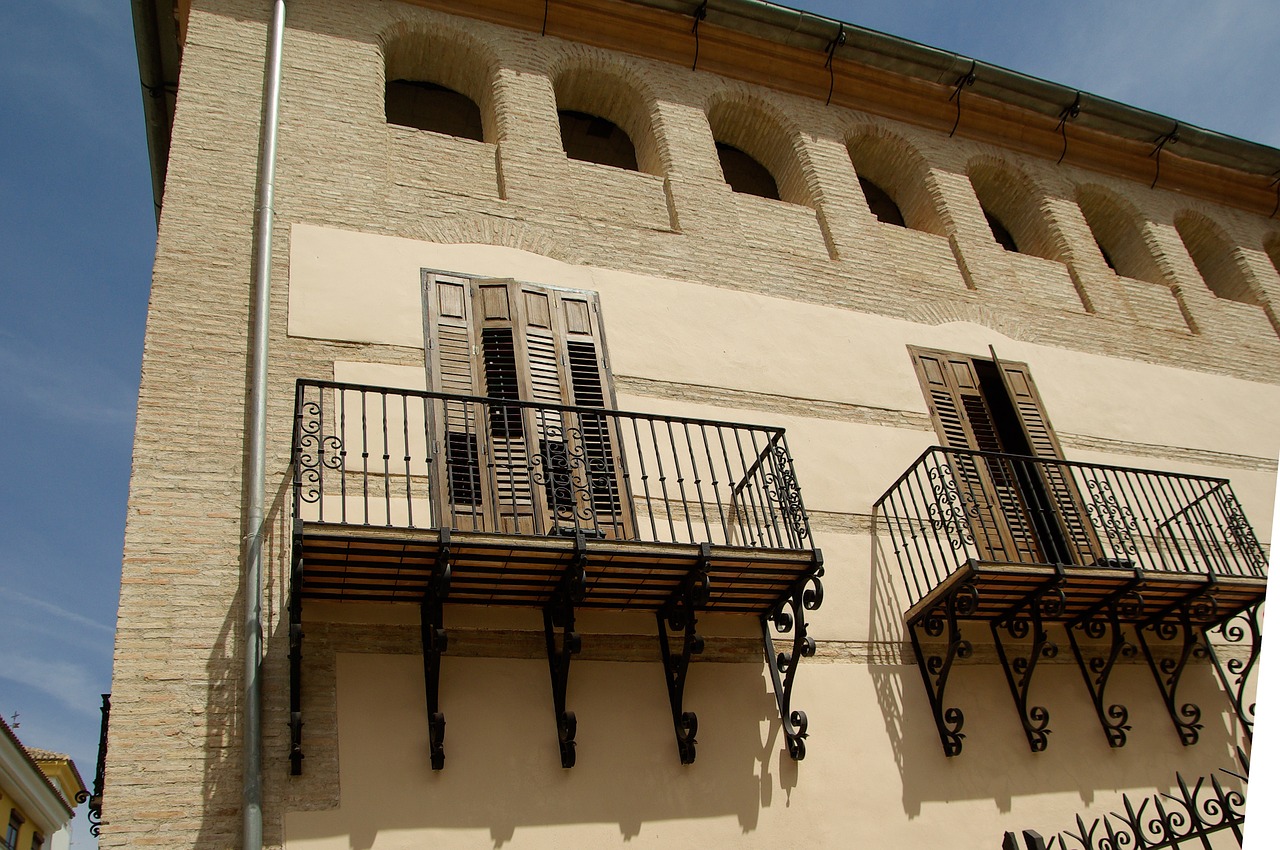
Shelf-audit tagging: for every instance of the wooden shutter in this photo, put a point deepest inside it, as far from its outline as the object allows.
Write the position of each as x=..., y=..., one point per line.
x=457, y=432
x=532, y=470
x=1075, y=525
x=987, y=487
x=595, y=440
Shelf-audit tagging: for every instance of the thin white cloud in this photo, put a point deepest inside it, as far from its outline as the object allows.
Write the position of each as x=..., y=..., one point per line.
x=28, y=602
x=69, y=683
x=60, y=389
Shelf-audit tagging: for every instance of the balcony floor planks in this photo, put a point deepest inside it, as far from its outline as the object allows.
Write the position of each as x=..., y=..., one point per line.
x=361, y=563
x=1001, y=587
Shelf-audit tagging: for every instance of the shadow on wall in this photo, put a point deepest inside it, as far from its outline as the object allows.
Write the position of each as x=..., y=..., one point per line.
x=996, y=762
x=503, y=770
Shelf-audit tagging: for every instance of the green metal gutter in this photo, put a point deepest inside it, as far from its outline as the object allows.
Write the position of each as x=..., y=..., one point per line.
x=796, y=28
x=156, y=36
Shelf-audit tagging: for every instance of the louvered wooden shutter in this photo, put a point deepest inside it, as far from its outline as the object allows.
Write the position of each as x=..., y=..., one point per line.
x=1077, y=528
x=986, y=487
x=603, y=500
x=458, y=432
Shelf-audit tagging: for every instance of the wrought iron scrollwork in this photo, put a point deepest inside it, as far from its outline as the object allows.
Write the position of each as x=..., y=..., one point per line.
x=1097, y=661
x=1191, y=814
x=943, y=621
x=99, y=778
x=1116, y=520
x=559, y=614
x=1240, y=536
x=1184, y=637
x=788, y=617
x=679, y=615
x=314, y=452
x=782, y=488
x=1244, y=629
x=1028, y=619
x=952, y=508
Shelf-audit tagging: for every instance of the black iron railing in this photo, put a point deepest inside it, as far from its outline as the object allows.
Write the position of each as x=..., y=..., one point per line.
x=372, y=456
x=953, y=506
x=94, y=798
x=1191, y=816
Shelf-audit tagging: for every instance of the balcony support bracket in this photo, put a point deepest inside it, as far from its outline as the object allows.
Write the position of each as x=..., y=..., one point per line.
x=558, y=613
x=1027, y=618
x=435, y=642
x=787, y=617
x=1244, y=629
x=295, y=654
x=1101, y=624
x=943, y=621
x=678, y=614
x=1181, y=630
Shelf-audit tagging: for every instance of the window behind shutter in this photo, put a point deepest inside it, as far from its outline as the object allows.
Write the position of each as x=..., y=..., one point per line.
x=1081, y=538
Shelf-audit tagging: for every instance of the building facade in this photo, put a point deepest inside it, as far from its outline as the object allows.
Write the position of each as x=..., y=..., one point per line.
x=534, y=266
x=39, y=790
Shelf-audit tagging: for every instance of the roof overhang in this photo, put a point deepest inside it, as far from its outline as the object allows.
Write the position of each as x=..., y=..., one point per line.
x=31, y=790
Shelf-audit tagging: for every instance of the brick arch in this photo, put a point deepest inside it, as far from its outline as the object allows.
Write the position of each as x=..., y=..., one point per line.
x=1216, y=257
x=610, y=87
x=1015, y=199
x=764, y=132
x=483, y=230
x=1117, y=228
x=436, y=51
x=950, y=312
x=896, y=166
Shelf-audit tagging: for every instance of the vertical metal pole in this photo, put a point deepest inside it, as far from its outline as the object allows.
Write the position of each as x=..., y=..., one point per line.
x=257, y=467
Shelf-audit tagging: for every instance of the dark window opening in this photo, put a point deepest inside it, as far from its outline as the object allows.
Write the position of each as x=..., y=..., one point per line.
x=1001, y=233
x=462, y=457
x=1107, y=257
x=427, y=106
x=500, y=381
x=590, y=138
x=744, y=174
x=881, y=205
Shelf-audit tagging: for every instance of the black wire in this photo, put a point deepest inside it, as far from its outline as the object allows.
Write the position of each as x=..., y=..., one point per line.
x=699, y=14
x=966, y=79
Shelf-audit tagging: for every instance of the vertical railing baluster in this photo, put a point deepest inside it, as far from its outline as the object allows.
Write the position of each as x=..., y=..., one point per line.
x=697, y=484
x=644, y=480
x=408, y=470
x=715, y=485
x=662, y=479
x=386, y=459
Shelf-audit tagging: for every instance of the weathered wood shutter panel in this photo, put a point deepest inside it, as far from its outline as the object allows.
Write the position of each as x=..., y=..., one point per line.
x=606, y=500
x=1081, y=538
x=457, y=429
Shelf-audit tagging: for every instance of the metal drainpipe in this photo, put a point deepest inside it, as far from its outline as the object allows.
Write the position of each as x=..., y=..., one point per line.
x=257, y=468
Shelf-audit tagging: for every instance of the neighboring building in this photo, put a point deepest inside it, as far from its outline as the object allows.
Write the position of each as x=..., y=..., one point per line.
x=530, y=269
x=39, y=790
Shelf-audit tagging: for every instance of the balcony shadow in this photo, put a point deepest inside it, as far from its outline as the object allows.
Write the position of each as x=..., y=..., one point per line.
x=503, y=773
x=996, y=762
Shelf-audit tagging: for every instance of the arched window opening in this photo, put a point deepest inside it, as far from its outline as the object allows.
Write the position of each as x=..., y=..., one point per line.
x=1117, y=232
x=744, y=174
x=429, y=106
x=590, y=138
x=882, y=206
x=1214, y=258
x=1000, y=233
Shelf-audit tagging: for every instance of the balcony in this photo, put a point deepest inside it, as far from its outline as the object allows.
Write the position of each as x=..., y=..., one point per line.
x=1105, y=552
x=404, y=496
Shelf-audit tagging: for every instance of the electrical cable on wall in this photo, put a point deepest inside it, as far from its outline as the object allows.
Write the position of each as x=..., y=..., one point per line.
x=1169, y=138
x=1069, y=114
x=830, y=65
x=699, y=15
x=966, y=79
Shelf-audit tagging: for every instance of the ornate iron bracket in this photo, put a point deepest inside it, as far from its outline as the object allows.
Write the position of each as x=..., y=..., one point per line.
x=1168, y=671
x=944, y=619
x=806, y=595
x=435, y=642
x=1027, y=617
x=678, y=614
x=1096, y=663
x=1246, y=625
x=558, y=614
x=295, y=654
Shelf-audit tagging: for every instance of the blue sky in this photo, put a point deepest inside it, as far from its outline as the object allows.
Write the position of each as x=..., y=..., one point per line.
x=77, y=237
